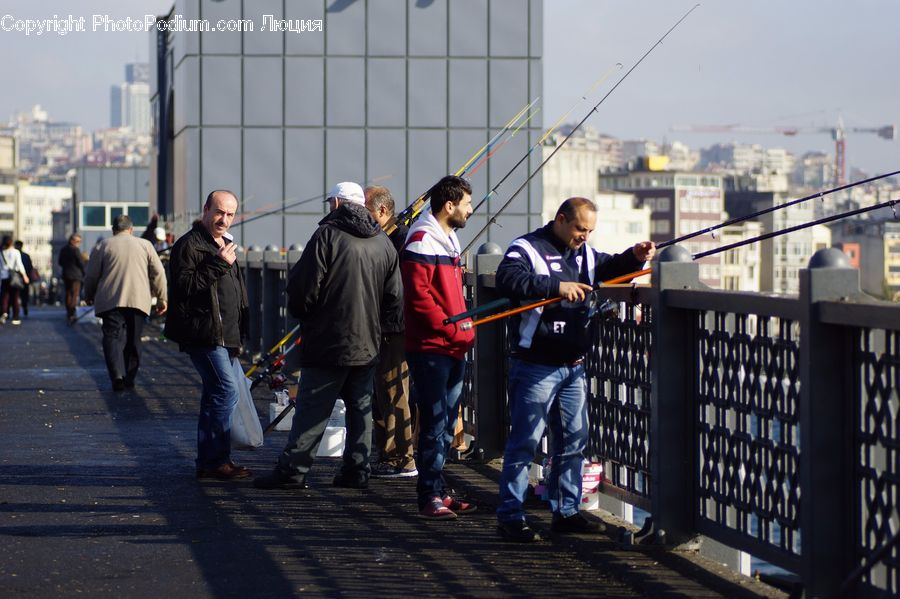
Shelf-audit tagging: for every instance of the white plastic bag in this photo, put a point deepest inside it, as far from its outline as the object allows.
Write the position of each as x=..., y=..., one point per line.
x=246, y=431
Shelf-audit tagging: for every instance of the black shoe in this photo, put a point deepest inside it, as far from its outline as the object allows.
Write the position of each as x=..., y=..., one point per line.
x=129, y=383
x=518, y=531
x=576, y=523
x=350, y=482
x=118, y=385
x=279, y=480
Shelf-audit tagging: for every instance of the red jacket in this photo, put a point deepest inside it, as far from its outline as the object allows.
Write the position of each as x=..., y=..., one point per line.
x=432, y=291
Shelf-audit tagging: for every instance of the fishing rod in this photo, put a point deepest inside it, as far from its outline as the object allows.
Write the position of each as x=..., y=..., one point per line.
x=493, y=219
x=545, y=302
x=411, y=212
x=821, y=221
x=889, y=204
x=274, y=366
x=268, y=355
x=540, y=141
x=740, y=219
x=490, y=154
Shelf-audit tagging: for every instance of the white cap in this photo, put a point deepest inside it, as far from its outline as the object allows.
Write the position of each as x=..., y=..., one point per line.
x=159, y=233
x=349, y=192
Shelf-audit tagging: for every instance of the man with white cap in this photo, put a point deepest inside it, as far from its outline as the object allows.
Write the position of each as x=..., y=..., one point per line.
x=345, y=290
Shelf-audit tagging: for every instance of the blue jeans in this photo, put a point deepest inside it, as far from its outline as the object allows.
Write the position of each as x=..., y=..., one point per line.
x=318, y=391
x=541, y=395
x=439, y=381
x=220, y=395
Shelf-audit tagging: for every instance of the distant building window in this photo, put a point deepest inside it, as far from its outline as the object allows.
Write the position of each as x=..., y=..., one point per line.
x=139, y=215
x=93, y=216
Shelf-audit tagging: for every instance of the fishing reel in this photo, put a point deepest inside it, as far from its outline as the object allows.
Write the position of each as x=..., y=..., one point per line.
x=602, y=310
x=277, y=381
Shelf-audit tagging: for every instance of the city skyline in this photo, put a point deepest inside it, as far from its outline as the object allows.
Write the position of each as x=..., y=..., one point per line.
x=773, y=65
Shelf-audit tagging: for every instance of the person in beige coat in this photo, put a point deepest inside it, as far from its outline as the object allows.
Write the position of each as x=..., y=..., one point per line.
x=123, y=274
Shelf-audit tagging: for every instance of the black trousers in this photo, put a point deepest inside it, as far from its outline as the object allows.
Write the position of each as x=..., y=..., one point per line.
x=122, y=328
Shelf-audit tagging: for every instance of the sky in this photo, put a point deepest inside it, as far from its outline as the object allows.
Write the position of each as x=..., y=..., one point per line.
x=759, y=63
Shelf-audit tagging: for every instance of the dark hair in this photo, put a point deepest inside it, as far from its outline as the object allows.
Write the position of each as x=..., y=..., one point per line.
x=380, y=196
x=6, y=243
x=121, y=223
x=209, y=198
x=18, y=244
x=449, y=189
x=73, y=236
x=571, y=206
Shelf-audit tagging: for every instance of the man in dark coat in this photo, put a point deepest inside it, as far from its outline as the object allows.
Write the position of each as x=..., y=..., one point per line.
x=208, y=318
x=72, y=263
x=345, y=290
x=29, y=268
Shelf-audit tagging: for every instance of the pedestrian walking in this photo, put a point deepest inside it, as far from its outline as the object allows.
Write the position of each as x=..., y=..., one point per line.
x=123, y=276
x=13, y=278
x=25, y=294
x=71, y=261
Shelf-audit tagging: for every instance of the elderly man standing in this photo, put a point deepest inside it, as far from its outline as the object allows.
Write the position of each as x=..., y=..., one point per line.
x=123, y=275
x=345, y=290
x=208, y=319
x=393, y=422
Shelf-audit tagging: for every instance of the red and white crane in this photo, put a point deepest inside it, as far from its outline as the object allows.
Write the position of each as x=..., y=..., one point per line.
x=838, y=134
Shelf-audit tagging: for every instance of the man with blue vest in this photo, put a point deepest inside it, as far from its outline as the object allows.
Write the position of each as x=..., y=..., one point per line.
x=546, y=375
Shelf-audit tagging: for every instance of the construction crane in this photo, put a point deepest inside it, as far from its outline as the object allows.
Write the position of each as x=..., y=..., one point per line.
x=838, y=134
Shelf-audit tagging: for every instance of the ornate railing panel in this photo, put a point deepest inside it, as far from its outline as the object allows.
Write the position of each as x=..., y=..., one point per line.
x=877, y=443
x=618, y=386
x=748, y=391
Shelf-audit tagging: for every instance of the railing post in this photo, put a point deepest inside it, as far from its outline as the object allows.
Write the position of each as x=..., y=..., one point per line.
x=826, y=434
x=489, y=359
x=292, y=364
x=253, y=280
x=272, y=322
x=673, y=461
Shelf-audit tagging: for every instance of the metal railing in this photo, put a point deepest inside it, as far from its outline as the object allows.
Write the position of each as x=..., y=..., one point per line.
x=769, y=424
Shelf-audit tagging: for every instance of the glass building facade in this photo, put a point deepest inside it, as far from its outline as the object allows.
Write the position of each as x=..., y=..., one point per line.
x=393, y=92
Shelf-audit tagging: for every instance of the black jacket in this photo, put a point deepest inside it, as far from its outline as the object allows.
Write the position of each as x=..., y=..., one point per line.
x=345, y=290
x=532, y=269
x=71, y=262
x=196, y=273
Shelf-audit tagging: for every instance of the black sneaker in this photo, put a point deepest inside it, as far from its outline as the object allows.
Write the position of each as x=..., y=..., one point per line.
x=576, y=523
x=518, y=531
x=388, y=470
x=118, y=385
x=279, y=480
x=350, y=482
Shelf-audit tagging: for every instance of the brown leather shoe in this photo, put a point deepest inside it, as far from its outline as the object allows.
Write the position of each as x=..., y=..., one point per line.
x=226, y=471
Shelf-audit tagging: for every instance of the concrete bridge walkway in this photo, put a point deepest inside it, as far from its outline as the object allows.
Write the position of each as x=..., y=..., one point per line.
x=98, y=499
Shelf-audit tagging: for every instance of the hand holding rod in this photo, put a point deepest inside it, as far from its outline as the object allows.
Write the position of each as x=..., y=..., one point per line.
x=499, y=303
x=553, y=300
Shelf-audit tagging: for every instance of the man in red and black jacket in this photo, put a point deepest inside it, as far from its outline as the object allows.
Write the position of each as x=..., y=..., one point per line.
x=432, y=291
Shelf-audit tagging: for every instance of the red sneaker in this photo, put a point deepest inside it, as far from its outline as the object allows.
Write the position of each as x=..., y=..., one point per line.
x=460, y=507
x=436, y=510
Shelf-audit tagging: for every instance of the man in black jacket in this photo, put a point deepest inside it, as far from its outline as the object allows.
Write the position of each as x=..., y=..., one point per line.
x=208, y=319
x=72, y=264
x=546, y=372
x=29, y=269
x=345, y=290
